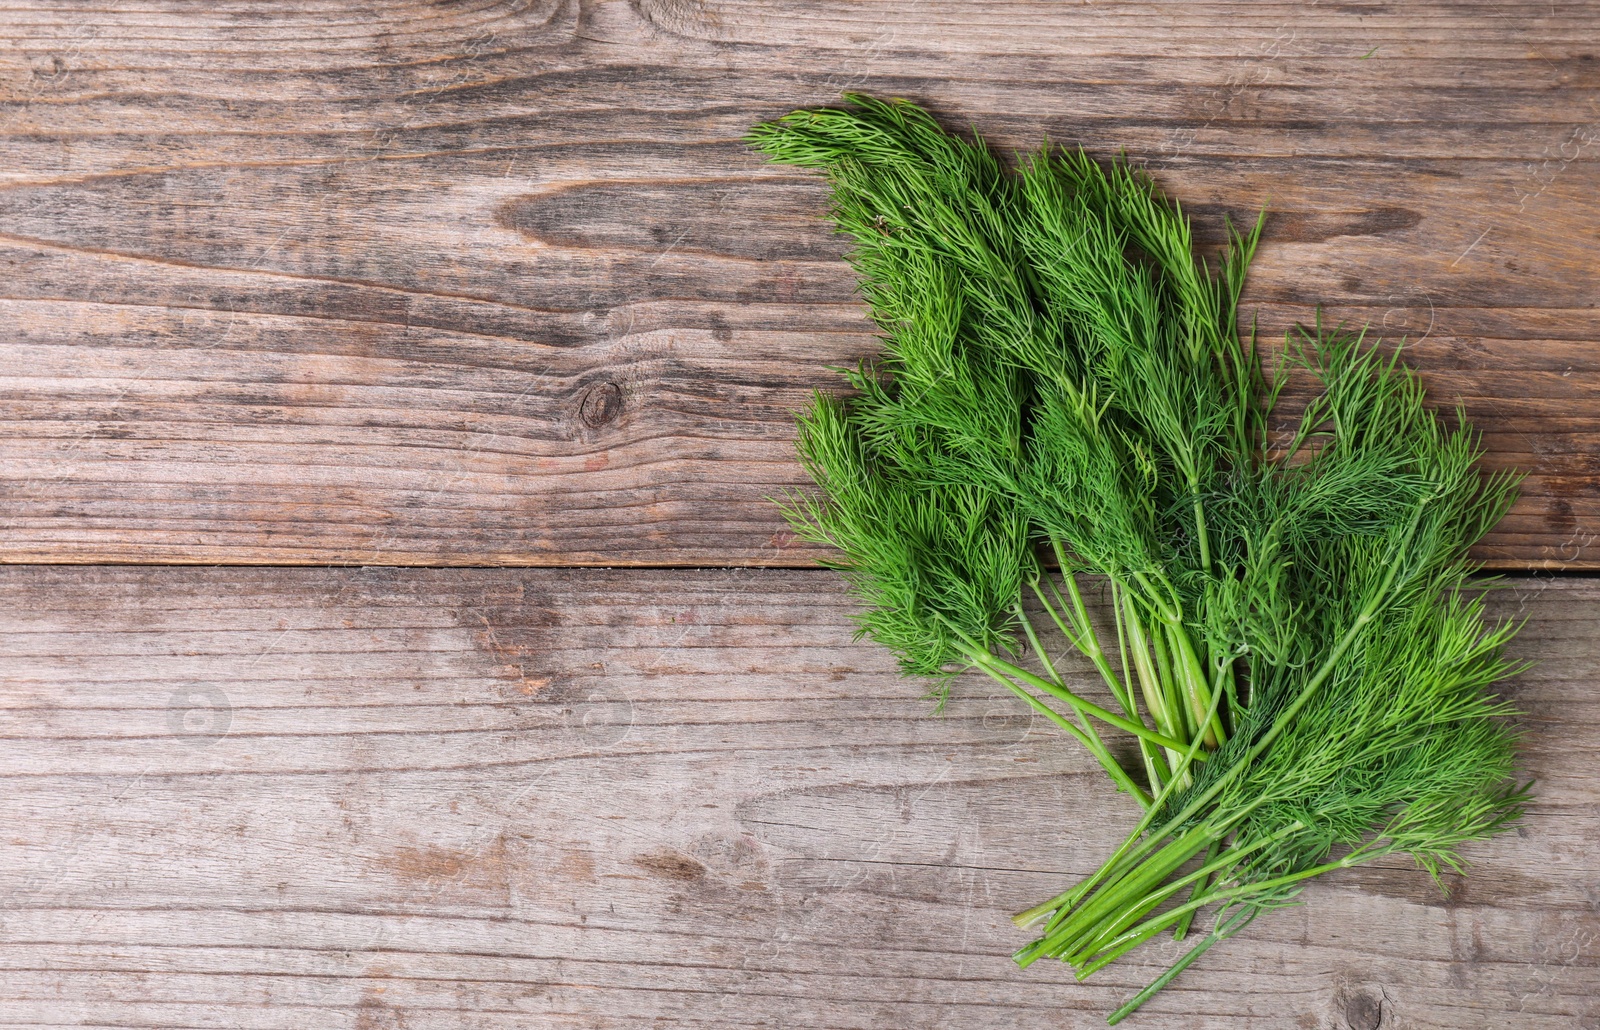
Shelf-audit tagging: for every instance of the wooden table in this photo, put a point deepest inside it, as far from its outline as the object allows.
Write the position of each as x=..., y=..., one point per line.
x=352, y=303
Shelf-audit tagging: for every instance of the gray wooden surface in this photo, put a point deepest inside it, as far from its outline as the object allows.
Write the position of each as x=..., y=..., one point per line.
x=420, y=799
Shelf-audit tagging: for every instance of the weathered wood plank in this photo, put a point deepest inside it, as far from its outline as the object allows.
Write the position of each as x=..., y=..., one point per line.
x=506, y=798
x=494, y=283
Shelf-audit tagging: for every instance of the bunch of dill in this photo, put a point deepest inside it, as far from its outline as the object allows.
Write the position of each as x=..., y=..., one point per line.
x=1291, y=639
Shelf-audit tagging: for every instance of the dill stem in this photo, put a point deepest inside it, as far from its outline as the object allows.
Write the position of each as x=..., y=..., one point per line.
x=1226, y=681
x=1111, y=901
x=1090, y=741
x=1166, y=612
x=1195, y=688
x=1033, y=641
x=1155, y=764
x=992, y=661
x=1182, y=929
x=1177, y=713
x=1088, y=643
x=1122, y=641
x=1158, y=922
x=1113, y=929
x=1217, y=933
x=1155, y=698
x=1054, y=716
x=1122, y=859
x=1114, y=933
x=1200, y=530
x=1126, y=945
x=1044, y=908
x=1091, y=642
x=1081, y=635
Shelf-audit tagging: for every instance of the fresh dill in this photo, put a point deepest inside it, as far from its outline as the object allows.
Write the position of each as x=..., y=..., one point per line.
x=1293, y=637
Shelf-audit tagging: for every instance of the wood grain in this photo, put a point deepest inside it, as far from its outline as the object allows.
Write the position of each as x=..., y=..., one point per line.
x=495, y=283
x=381, y=798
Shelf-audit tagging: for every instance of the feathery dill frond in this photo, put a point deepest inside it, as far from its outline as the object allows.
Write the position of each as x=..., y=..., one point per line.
x=1299, y=647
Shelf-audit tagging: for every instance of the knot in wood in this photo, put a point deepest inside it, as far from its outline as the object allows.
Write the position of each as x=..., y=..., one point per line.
x=1363, y=1011
x=601, y=404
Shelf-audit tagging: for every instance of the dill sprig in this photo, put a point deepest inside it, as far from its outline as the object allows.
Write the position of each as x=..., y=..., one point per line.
x=1294, y=640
